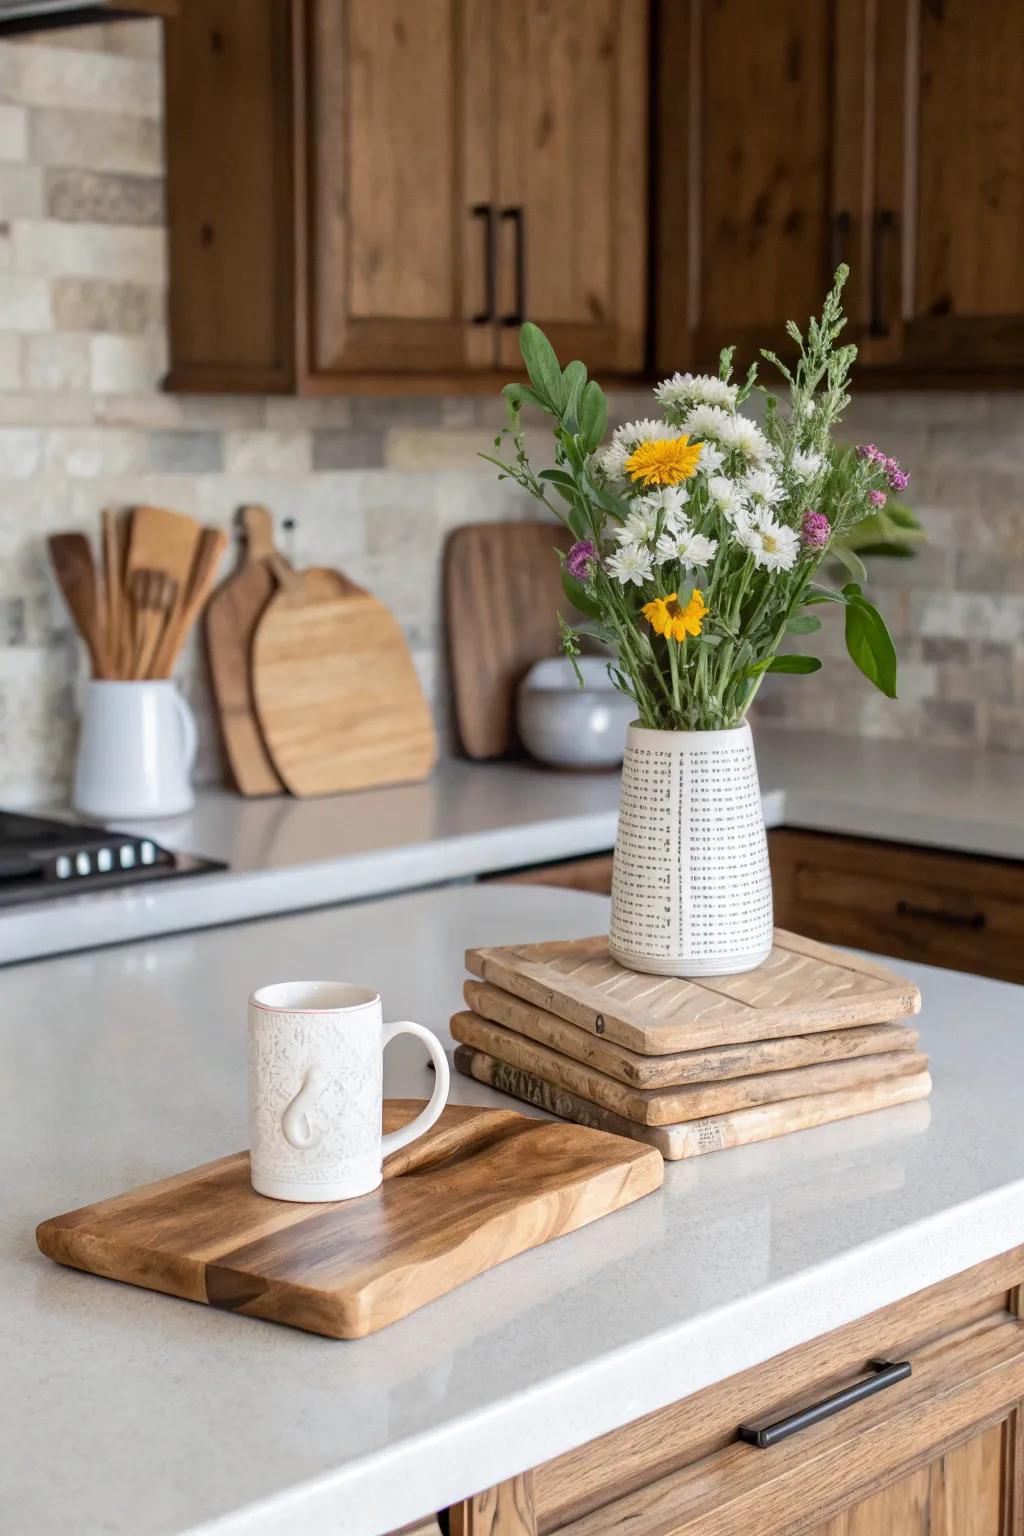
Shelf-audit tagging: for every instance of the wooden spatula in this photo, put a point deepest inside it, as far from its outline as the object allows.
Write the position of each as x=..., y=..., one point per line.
x=118, y=648
x=161, y=540
x=212, y=544
x=72, y=564
x=230, y=622
x=153, y=596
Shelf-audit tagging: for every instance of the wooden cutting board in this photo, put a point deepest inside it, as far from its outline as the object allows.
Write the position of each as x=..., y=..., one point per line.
x=693, y=1138
x=706, y=1066
x=336, y=692
x=802, y=988
x=502, y=595
x=687, y=1101
x=480, y=1187
x=230, y=622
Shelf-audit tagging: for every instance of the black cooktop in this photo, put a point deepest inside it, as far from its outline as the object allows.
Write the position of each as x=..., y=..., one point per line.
x=41, y=859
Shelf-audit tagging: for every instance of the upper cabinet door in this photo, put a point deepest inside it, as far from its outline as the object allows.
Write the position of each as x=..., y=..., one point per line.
x=759, y=185
x=948, y=270
x=399, y=153
x=572, y=113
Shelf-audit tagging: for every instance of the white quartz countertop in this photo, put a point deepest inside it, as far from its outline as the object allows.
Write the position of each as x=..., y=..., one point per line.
x=136, y=1414
x=474, y=818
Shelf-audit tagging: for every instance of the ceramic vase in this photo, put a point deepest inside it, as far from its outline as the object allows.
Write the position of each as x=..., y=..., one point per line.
x=691, y=889
x=136, y=749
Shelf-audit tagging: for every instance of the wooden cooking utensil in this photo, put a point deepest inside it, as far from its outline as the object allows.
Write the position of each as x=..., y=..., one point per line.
x=481, y=1186
x=230, y=622
x=160, y=540
x=153, y=596
x=502, y=595
x=212, y=544
x=72, y=564
x=336, y=692
x=113, y=582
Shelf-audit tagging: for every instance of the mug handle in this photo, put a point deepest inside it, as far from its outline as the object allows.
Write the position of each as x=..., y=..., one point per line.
x=189, y=730
x=393, y=1140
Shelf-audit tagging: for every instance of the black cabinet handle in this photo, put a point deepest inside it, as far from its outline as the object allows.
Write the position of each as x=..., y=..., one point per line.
x=884, y=221
x=842, y=224
x=517, y=315
x=974, y=920
x=485, y=212
x=885, y=1373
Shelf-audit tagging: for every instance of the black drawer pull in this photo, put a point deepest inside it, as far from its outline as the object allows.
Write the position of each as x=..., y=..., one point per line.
x=517, y=315
x=485, y=212
x=885, y=1373
x=975, y=920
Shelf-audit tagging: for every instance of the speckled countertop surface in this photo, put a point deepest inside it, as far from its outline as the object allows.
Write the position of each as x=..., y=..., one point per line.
x=472, y=818
x=137, y=1415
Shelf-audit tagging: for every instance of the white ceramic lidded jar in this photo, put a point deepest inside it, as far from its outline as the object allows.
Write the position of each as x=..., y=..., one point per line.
x=691, y=886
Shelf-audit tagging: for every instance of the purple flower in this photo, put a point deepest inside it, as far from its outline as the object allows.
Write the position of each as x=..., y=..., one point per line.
x=871, y=453
x=877, y=498
x=815, y=530
x=581, y=558
x=897, y=477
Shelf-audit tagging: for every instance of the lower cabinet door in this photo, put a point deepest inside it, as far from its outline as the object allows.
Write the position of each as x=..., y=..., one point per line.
x=966, y=1492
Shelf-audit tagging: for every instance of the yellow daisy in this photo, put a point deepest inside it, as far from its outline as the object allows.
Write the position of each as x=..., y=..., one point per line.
x=665, y=616
x=663, y=461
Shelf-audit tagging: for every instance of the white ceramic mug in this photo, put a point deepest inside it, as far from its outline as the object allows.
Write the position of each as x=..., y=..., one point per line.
x=316, y=1090
x=135, y=751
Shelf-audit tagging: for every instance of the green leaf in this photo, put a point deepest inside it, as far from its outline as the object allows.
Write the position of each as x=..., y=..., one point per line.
x=853, y=563
x=565, y=484
x=870, y=644
x=521, y=394
x=803, y=624
x=793, y=664
x=541, y=363
x=593, y=415
x=573, y=379
x=578, y=595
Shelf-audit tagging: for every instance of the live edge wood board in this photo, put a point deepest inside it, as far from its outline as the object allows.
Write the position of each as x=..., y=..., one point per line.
x=480, y=1187
x=802, y=987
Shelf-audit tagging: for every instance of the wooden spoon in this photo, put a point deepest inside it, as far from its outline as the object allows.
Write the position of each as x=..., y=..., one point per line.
x=212, y=544
x=72, y=564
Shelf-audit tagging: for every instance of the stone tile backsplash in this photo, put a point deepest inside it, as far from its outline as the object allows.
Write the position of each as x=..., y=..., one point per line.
x=372, y=485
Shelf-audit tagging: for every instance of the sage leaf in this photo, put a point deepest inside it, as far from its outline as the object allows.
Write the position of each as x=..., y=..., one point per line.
x=578, y=595
x=870, y=644
x=803, y=624
x=541, y=363
x=573, y=379
x=593, y=416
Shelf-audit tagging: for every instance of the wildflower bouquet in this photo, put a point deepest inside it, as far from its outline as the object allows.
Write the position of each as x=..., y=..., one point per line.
x=698, y=536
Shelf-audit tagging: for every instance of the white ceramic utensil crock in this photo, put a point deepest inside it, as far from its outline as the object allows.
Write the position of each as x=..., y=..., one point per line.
x=691, y=887
x=135, y=751
x=316, y=1087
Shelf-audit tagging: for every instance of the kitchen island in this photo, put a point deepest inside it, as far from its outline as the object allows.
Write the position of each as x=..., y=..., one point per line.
x=130, y=1412
x=476, y=819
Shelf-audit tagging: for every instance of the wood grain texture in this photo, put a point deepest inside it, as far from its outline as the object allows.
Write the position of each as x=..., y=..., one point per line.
x=71, y=558
x=502, y=595
x=209, y=552
x=949, y=909
x=336, y=692
x=710, y=1065
x=230, y=622
x=688, y=1101
x=693, y=1138
x=507, y=1509
x=802, y=988
x=933, y=1325
x=480, y=1187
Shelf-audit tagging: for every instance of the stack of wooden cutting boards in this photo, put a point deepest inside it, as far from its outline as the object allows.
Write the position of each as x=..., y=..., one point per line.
x=810, y=1036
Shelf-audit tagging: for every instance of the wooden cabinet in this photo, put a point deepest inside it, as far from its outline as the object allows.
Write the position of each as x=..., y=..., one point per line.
x=947, y=909
x=793, y=136
x=937, y=1453
x=368, y=190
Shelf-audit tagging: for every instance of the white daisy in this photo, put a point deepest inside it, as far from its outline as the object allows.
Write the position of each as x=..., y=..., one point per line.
x=773, y=546
x=640, y=526
x=612, y=460
x=742, y=434
x=711, y=458
x=631, y=563
x=684, y=389
x=708, y=421
x=669, y=499
x=807, y=464
x=727, y=497
x=763, y=486
x=691, y=549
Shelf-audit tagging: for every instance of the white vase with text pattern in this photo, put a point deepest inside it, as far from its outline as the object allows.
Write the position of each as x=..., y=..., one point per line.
x=691, y=888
